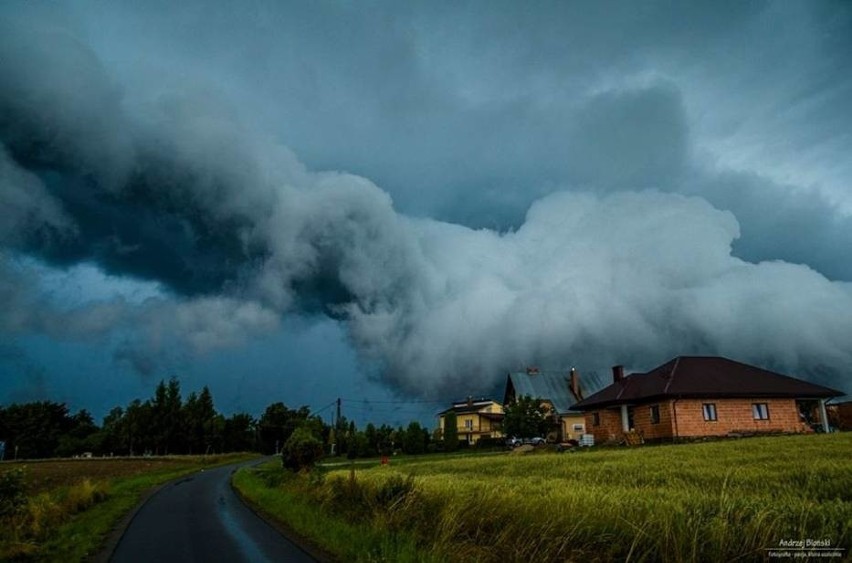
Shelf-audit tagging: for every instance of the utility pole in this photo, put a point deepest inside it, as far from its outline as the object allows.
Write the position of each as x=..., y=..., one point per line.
x=338, y=410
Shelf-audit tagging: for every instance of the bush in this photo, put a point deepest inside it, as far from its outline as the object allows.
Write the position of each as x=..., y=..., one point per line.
x=302, y=450
x=12, y=493
x=490, y=443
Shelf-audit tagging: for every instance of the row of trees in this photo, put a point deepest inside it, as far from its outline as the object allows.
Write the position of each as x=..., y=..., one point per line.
x=164, y=424
x=167, y=423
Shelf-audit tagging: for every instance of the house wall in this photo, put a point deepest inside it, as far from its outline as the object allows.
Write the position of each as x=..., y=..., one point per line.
x=478, y=426
x=685, y=418
x=568, y=422
x=654, y=431
x=735, y=415
x=609, y=426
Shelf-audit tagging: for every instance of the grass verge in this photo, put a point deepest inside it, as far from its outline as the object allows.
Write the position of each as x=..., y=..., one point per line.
x=71, y=522
x=286, y=499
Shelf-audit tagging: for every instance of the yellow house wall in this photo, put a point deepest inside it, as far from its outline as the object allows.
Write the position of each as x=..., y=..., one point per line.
x=480, y=426
x=568, y=422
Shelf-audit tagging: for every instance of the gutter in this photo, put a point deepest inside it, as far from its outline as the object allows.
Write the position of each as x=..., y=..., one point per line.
x=674, y=417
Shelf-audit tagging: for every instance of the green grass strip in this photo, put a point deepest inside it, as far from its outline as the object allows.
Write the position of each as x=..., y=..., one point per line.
x=83, y=535
x=276, y=495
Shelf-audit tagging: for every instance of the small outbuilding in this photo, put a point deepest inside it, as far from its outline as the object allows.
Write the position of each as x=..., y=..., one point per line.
x=697, y=396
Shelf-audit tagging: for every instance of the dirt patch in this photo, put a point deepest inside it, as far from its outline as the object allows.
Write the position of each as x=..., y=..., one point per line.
x=41, y=476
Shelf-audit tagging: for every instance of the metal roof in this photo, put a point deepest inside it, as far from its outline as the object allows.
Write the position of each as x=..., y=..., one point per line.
x=553, y=386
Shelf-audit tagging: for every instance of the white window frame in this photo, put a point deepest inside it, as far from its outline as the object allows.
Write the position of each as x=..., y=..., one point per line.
x=468, y=424
x=579, y=427
x=760, y=411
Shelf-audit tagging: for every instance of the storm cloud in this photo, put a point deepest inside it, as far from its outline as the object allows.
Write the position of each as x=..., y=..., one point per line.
x=462, y=205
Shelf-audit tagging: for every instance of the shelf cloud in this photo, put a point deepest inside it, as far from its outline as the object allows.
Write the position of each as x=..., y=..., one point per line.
x=611, y=224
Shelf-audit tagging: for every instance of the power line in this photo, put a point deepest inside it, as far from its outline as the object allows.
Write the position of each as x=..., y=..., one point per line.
x=410, y=402
x=328, y=406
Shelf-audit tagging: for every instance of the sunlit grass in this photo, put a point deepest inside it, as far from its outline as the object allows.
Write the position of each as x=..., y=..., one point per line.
x=715, y=501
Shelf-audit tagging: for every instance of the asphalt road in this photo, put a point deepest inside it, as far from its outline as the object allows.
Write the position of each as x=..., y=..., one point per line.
x=199, y=518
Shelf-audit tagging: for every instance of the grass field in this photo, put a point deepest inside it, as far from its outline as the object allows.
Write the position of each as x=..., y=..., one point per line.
x=715, y=501
x=67, y=507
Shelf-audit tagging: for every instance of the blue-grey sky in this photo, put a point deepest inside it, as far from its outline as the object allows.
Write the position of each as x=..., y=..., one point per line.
x=403, y=201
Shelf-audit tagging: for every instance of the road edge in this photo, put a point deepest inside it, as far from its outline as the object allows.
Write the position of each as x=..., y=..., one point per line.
x=108, y=546
x=310, y=547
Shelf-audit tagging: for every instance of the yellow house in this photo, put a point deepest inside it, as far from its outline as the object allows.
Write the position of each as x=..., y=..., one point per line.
x=475, y=419
x=558, y=391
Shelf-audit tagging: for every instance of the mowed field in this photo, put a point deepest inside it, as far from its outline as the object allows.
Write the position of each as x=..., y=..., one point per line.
x=716, y=501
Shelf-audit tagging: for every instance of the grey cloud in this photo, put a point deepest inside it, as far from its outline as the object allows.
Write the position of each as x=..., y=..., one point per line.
x=28, y=209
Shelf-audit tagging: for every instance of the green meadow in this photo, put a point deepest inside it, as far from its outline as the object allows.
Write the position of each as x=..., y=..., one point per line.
x=714, y=501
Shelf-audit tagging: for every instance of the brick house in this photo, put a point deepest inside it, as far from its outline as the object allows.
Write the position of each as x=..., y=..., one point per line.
x=695, y=396
x=558, y=391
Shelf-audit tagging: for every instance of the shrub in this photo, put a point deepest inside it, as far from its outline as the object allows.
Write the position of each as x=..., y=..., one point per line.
x=83, y=495
x=302, y=450
x=490, y=443
x=12, y=493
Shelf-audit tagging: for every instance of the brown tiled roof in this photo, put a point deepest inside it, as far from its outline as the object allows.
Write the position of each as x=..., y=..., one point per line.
x=465, y=408
x=704, y=376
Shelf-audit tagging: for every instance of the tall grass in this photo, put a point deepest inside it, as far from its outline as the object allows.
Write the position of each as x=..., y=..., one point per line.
x=69, y=523
x=719, y=501
x=30, y=524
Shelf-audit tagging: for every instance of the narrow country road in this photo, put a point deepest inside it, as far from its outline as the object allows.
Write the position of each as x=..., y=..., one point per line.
x=199, y=518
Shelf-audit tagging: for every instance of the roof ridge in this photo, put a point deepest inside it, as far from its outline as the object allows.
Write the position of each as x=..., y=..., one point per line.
x=671, y=376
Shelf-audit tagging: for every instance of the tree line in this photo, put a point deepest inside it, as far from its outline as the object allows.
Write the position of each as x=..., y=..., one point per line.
x=164, y=424
x=168, y=423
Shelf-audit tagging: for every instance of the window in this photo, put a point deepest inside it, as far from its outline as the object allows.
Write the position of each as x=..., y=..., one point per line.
x=578, y=428
x=760, y=411
x=468, y=424
x=709, y=411
x=655, y=414
x=596, y=419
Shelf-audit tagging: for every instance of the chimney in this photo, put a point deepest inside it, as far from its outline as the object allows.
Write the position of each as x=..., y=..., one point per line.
x=532, y=370
x=574, y=382
x=617, y=373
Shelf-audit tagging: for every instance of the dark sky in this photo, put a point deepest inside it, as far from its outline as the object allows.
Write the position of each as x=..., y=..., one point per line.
x=400, y=202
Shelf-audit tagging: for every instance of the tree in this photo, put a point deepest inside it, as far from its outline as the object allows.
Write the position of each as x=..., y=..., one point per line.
x=451, y=432
x=200, y=422
x=525, y=418
x=113, y=432
x=277, y=424
x=301, y=450
x=415, y=439
x=372, y=436
x=81, y=436
x=238, y=434
x=139, y=427
x=35, y=428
